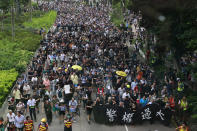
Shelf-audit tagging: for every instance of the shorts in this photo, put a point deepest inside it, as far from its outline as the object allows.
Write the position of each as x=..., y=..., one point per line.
x=83, y=84
x=89, y=111
x=61, y=112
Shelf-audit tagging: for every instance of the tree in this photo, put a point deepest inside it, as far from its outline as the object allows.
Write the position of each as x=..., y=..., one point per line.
x=4, y=5
x=172, y=21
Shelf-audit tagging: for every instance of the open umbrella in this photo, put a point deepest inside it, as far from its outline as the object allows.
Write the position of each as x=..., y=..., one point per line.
x=121, y=73
x=76, y=67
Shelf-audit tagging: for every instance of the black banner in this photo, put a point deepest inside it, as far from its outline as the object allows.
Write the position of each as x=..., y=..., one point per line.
x=118, y=115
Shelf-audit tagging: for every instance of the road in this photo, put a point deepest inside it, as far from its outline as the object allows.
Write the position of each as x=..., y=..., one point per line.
x=82, y=125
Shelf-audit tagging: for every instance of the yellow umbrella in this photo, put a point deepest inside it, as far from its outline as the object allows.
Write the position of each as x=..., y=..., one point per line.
x=77, y=67
x=121, y=73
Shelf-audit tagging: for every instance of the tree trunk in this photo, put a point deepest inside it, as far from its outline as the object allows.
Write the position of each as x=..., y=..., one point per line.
x=2, y=25
x=18, y=8
x=30, y=10
x=13, y=22
x=177, y=63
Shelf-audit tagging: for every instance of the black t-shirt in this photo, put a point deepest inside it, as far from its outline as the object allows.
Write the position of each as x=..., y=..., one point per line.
x=89, y=103
x=88, y=92
x=127, y=103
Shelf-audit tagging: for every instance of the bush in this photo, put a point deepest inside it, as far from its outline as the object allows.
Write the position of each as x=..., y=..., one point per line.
x=43, y=22
x=7, y=78
x=11, y=56
x=15, y=55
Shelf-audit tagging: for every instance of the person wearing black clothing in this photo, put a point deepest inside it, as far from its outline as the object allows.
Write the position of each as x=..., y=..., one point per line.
x=98, y=102
x=89, y=109
x=134, y=110
x=127, y=102
x=48, y=111
x=89, y=92
x=37, y=98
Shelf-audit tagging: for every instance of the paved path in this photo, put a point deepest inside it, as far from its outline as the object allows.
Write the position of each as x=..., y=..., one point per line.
x=82, y=125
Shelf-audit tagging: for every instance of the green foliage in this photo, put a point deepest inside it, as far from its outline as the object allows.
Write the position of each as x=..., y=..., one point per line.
x=192, y=99
x=15, y=54
x=12, y=56
x=117, y=15
x=4, y=4
x=7, y=78
x=43, y=22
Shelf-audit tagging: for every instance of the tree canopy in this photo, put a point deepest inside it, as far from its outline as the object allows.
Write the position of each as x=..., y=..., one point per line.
x=174, y=22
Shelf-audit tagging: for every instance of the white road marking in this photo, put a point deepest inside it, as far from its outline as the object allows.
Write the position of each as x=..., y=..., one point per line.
x=126, y=127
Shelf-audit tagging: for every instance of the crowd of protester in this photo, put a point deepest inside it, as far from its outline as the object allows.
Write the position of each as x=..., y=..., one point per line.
x=84, y=36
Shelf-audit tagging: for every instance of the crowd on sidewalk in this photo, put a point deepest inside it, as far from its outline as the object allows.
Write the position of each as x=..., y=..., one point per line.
x=85, y=38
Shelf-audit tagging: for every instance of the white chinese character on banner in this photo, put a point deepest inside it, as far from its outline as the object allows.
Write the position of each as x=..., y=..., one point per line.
x=160, y=114
x=146, y=114
x=111, y=114
x=127, y=117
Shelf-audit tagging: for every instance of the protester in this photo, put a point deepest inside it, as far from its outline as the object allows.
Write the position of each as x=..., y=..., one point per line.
x=72, y=107
x=17, y=95
x=43, y=126
x=28, y=124
x=20, y=107
x=2, y=128
x=183, y=127
x=68, y=123
x=31, y=108
x=19, y=121
x=183, y=105
x=89, y=109
x=48, y=111
x=11, y=120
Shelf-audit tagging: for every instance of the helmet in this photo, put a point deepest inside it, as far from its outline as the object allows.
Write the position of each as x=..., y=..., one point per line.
x=43, y=120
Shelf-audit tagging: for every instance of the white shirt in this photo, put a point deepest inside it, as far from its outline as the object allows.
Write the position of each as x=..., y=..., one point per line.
x=19, y=121
x=11, y=118
x=26, y=89
x=121, y=91
x=125, y=94
x=133, y=85
x=62, y=57
x=143, y=81
x=34, y=79
x=31, y=102
x=20, y=106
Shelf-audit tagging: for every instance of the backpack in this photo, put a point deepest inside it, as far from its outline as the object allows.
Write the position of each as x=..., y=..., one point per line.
x=59, y=93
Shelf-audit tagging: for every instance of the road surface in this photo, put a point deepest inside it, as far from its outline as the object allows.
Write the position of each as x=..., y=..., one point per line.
x=82, y=125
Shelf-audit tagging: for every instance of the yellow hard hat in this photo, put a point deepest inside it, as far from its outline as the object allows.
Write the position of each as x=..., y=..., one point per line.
x=43, y=120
